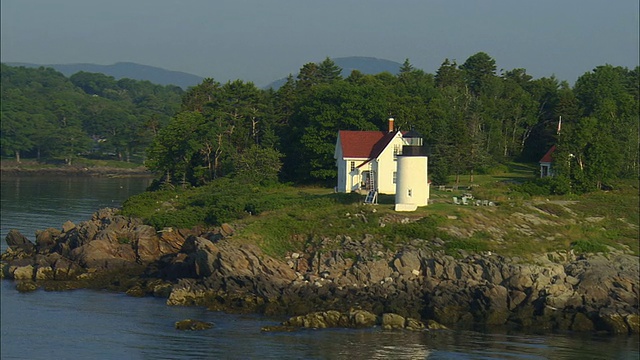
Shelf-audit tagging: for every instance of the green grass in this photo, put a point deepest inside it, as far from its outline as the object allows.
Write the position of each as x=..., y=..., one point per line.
x=589, y=246
x=471, y=245
x=285, y=218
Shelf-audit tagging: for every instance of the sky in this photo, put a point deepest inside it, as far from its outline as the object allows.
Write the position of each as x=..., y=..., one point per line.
x=265, y=40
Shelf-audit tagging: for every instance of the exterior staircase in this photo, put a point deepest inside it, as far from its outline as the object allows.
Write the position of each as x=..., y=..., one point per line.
x=372, y=195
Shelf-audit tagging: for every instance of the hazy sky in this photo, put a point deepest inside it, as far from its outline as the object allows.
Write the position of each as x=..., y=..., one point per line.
x=264, y=40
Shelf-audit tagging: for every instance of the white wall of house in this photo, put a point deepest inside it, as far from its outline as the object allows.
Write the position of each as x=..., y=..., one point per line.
x=383, y=167
x=387, y=166
x=341, y=164
x=348, y=179
x=355, y=178
x=342, y=176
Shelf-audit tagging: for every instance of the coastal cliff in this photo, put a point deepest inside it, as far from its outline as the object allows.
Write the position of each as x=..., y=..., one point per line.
x=331, y=276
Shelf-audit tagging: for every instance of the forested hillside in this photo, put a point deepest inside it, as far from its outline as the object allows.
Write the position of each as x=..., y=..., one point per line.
x=474, y=119
x=48, y=116
x=127, y=70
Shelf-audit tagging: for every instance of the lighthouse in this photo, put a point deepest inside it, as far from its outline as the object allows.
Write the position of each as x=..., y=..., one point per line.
x=412, y=184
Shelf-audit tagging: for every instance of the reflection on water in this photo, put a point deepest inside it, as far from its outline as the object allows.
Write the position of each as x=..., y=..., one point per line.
x=86, y=324
x=35, y=203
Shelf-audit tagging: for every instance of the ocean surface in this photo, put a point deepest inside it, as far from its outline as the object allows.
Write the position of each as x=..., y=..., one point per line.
x=85, y=324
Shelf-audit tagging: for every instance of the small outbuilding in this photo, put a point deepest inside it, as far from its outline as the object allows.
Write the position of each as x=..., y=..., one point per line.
x=546, y=162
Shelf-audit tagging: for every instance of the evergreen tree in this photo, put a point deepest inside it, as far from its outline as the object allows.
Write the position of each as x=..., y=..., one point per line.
x=328, y=71
x=406, y=67
x=307, y=77
x=478, y=69
x=449, y=75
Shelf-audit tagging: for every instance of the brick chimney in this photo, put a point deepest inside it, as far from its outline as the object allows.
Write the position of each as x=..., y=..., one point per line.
x=391, y=124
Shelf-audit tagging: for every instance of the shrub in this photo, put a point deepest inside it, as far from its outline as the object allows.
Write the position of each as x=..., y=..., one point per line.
x=589, y=246
x=258, y=165
x=148, y=203
x=498, y=169
x=470, y=245
x=425, y=228
x=559, y=185
x=438, y=177
x=537, y=187
x=177, y=218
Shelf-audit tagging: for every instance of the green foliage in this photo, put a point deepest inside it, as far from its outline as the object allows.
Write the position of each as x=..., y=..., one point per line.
x=472, y=245
x=48, y=116
x=94, y=83
x=124, y=240
x=328, y=71
x=314, y=125
x=221, y=130
x=223, y=200
x=499, y=169
x=183, y=218
x=557, y=185
x=602, y=144
x=589, y=246
x=282, y=218
x=474, y=120
x=425, y=228
x=449, y=75
x=173, y=149
x=478, y=69
x=258, y=165
x=621, y=203
x=537, y=187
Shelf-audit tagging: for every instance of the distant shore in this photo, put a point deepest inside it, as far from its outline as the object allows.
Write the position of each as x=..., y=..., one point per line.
x=33, y=168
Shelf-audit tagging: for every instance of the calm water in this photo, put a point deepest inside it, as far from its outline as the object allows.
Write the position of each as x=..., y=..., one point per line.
x=86, y=324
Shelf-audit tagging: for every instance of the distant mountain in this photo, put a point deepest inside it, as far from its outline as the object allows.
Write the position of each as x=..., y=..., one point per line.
x=366, y=65
x=126, y=70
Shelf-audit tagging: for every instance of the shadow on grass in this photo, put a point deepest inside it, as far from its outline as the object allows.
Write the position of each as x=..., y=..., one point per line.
x=351, y=198
x=527, y=169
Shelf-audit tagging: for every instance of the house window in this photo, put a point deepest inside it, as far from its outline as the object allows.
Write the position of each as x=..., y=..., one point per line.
x=353, y=165
x=397, y=150
x=545, y=170
x=395, y=176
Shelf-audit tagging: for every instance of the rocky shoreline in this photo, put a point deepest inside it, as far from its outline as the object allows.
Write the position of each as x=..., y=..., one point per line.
x=329, y=283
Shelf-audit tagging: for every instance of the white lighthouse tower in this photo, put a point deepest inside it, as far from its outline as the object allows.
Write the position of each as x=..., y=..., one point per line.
x=412, y=184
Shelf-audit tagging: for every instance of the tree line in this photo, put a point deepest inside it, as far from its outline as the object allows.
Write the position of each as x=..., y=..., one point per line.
x=474, y=118
x=48, y=116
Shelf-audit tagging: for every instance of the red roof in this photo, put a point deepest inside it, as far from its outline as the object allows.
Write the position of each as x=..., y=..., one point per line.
x=547, y=157
x=364, y=144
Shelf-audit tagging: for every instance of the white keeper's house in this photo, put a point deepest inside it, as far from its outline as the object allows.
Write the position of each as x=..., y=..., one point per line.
x=368, y=161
